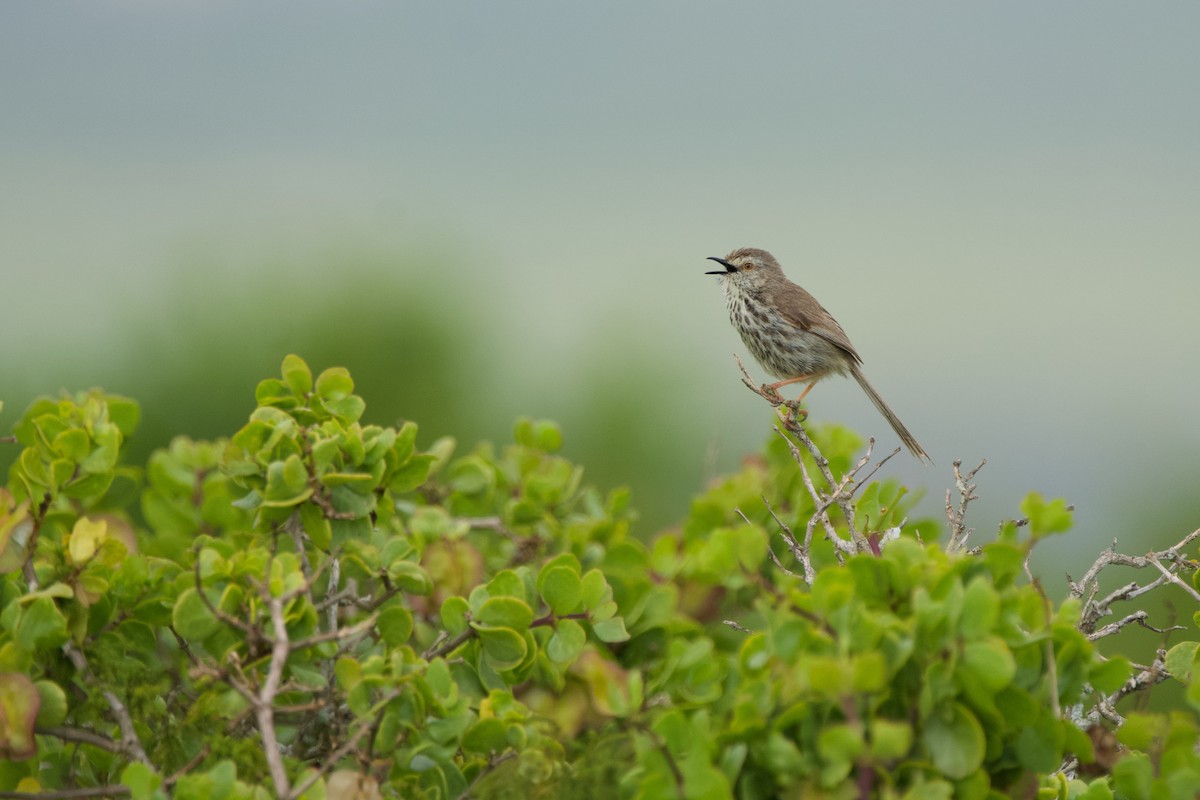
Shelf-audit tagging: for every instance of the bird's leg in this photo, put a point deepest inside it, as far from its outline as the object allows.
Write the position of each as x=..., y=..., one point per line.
x=807, y=389
x=774, y=387
x=794, y=405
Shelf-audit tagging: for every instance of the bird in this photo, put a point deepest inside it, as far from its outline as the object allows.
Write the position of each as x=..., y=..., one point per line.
x=790, y=334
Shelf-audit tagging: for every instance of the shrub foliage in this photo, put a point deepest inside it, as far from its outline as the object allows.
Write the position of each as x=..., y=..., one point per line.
x=319, y=608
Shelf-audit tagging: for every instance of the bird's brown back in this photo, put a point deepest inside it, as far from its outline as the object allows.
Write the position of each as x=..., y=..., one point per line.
x=801, y=309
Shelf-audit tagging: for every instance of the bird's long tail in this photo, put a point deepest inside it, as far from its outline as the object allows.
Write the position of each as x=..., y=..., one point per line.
x=909, y=441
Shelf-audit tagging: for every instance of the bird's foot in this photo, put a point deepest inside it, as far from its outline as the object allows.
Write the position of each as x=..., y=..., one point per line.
x=770, y=393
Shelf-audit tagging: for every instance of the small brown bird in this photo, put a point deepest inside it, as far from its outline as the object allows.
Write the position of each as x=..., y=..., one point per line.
x=790, y=334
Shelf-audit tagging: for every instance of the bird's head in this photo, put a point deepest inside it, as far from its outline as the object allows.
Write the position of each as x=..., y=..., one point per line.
x=748, y=268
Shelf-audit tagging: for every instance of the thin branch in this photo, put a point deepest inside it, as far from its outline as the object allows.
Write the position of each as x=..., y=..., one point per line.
x=672, y=764
x=336, y=635
x=1172, y=577
x=68, y=734
x=264, y=702
x=799, y=552
x=1138, y=617
x=1088, y=587
x=188, y=767
x=446, y=644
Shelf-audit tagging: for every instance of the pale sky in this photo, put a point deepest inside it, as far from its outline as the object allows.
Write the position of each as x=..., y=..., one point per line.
x=999, y=201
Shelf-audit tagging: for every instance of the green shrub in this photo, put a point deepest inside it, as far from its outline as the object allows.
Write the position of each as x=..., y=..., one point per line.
x=318, y=608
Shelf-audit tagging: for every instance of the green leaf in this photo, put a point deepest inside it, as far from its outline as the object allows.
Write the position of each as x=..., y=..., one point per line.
x=405, y=443
x=73, y=443
x=471, y=476
x=561, y=588
x=316, y=525
x=955, y=742
x=506, y=582
x=504, y=648
x=297, y=375
x=505, y=612
x=839, y=746
x=989, y=663
x=547, y=436
x=1108, y=676
x=890, y=739
x=85, y=538
x=334, y=384
x=395, y=625
x=611, y=630
x=412, y=475
x=348, y=673
x=348, y=409
x=191, y=617
x=410, y=577
x=595, y=589
x=287, y=483
x=1045, y=518
x=1040, y=745
x=53, y=708
x=273, y=392
x=485, y=737
x=980, y=609
x=40, y=626
x=454, y=614
x=141, y=780
x=567, y=642
x=123, y=412
x=1180, y=660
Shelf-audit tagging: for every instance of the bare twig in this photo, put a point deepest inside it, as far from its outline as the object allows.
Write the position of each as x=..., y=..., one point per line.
x=264, y=701
x=737, y=626
x=446, y=644
x=1088, y=587
x=80, y=735
x=1172, y=577
x=956, y=517
x=1138, y=617
x=799, y=551
x=188, y=767
x=1105, y=707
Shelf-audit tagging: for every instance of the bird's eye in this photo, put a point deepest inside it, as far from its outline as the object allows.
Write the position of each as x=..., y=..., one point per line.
x=748, y=265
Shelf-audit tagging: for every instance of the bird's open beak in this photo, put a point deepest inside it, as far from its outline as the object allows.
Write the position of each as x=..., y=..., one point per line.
x=728, y=267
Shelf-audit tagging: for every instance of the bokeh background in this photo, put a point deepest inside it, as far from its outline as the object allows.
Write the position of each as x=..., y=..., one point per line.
x=493, y=210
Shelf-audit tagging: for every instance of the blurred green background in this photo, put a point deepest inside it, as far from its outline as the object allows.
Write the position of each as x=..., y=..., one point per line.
x=487, y=211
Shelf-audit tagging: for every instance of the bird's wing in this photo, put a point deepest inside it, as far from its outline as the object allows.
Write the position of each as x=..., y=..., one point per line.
x=802, y=310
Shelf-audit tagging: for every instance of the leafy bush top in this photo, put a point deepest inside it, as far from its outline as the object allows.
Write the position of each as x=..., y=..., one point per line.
x=318, y=608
